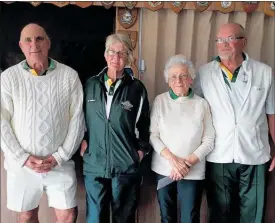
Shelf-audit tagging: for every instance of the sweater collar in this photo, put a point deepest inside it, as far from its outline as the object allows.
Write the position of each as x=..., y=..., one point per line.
x=174, y=96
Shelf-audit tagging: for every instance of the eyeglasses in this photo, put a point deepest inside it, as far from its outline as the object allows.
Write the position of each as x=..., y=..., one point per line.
x=181, y=77
x=229, y=39
x=121, y=54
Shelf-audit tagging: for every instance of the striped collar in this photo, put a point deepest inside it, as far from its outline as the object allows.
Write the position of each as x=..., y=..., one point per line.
x=52, y=66
x=174, y=96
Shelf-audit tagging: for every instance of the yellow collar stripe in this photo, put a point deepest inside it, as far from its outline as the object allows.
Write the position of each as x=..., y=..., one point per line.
x=228, y=72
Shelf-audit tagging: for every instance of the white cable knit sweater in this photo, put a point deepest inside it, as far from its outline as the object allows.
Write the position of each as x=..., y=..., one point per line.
x=41, y=115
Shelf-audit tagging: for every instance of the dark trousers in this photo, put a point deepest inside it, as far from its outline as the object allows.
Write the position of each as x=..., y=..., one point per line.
x=236, y=192
x=189, y=194
x=120, y=193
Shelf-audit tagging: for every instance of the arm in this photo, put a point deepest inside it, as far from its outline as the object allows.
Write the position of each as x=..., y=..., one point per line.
x=208, y=138
x=142, y=125
x=76, y=126
x=9, y=143
x=270, y=111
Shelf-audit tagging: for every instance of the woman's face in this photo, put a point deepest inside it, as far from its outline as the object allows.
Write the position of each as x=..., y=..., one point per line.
x=179, y=79
x=116, y=56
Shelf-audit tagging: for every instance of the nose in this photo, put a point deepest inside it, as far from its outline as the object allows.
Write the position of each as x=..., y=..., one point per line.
x=33, y=43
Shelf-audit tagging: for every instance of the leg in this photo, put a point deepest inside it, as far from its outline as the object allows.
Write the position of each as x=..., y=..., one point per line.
x=60, y=186
x=221, y=191
x=24, y=191
x=98, y=197
x=29, y=216
x=167, y=198
x=253, y=183
x=190, y=194
x=125, y=193
x=66, y=216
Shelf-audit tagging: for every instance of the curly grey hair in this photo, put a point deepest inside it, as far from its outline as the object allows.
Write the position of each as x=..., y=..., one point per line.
x=179, y=60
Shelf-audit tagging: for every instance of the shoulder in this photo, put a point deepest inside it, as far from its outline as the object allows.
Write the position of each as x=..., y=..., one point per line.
x=65, y=68
x=161, y=98
x=11, y=72
x=201, y=101
x=258, y=65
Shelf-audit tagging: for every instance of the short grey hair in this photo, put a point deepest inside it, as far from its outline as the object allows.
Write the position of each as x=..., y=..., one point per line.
x=125, y=40
x=179, y=60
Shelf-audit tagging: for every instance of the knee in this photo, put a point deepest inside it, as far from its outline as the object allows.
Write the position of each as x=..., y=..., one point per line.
x=28, y=217
x=66, y=216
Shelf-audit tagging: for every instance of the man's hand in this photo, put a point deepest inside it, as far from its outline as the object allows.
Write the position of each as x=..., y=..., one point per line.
x=141, y=155
x=34, y=163
x=272, y=165
x=49, y=163
x=83, y=147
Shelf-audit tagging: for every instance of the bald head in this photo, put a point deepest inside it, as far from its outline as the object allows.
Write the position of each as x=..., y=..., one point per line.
x=31, y=28
x=232, y=28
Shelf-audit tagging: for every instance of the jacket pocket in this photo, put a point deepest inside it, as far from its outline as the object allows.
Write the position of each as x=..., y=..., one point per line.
x=258, y=137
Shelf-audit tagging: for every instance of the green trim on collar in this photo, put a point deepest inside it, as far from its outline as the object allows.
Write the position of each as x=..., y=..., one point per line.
x=52, y=65
x=174, y=96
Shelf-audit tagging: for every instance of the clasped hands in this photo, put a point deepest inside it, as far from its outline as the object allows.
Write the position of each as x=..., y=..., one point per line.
x=41, y=165
x=180, y=167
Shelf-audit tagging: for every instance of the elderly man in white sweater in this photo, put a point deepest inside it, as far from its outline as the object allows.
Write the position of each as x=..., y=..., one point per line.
x=182, y=135
x=42, y=126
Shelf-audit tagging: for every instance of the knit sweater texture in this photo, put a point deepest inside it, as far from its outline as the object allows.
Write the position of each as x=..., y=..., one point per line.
x=41, y=115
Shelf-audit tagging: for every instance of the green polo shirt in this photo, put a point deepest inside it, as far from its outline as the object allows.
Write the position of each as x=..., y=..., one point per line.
x=235, y=73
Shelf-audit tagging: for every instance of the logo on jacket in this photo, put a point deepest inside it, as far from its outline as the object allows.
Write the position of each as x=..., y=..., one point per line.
x=127, y=105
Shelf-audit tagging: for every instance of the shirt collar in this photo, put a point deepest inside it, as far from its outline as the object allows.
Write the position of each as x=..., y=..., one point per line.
x=174, y=96
x=218, y=59
x=52, y=65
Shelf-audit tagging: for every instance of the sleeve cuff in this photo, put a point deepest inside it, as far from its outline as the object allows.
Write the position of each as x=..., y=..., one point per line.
x=58, y=158
x=199, y=155
x=22, y=160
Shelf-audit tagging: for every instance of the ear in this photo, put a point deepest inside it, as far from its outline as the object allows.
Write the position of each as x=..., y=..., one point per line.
x=245, y=42
x=20, y=44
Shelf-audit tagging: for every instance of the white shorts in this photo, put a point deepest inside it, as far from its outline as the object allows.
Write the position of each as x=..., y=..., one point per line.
x=25, y=188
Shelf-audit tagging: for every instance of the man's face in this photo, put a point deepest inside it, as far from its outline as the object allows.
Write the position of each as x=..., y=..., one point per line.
x=35, y=44
x=229, y=42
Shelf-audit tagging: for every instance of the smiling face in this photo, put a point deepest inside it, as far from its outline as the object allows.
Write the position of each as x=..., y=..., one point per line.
x=116, y=56
x=179, y=79
x=35, y=44
x=235, y=43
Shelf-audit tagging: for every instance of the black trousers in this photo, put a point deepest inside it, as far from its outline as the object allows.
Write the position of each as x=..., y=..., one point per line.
x=189, y=194
x=236, y=192
x=120, y=193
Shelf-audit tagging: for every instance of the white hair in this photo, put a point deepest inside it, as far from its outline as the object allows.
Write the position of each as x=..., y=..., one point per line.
x=179, y=60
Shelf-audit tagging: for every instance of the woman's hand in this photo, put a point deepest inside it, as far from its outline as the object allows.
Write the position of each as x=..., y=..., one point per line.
x=192, y=159
x=83, y=147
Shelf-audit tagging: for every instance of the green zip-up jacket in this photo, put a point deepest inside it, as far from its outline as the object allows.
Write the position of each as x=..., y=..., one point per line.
x=112, y=142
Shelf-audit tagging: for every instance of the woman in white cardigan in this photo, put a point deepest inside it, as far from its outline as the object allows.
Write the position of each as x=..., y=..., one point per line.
x=182, y=135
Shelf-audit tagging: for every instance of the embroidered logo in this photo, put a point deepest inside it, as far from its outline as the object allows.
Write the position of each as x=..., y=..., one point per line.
x=92, y=100
x=127, y=105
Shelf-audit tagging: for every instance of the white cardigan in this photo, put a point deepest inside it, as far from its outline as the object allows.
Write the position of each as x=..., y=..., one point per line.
x=184, y=126
x=242, y=139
